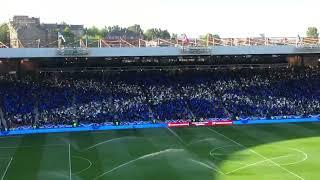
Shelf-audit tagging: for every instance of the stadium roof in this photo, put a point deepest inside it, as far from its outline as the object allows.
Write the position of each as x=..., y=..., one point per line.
x=14, y=53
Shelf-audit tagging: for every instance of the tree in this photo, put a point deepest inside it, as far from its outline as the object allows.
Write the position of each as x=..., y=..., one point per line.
x=4, y=33
x=150, y=34
x=211, y=38
x=174, y=36
x=104, y=32
x=156, y=33
x=312, y=32
x=135, y=29
x=165, y=34
x=94, y=33
x=69, y=37
x=115, y=30
x=131, y=31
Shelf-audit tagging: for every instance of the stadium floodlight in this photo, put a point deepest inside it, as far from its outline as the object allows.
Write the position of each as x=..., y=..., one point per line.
x=318, y=60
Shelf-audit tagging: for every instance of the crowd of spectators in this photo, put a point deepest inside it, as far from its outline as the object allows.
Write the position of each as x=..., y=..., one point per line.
x=63, y=98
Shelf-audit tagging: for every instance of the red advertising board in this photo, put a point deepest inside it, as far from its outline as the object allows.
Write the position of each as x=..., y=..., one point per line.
x=221, y=123
x=203, y=123
x=212, y=123
x=178, y=124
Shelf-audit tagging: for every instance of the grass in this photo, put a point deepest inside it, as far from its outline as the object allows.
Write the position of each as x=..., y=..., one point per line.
x=283, y=151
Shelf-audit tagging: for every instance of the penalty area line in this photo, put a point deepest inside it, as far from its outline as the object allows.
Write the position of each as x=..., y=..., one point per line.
x=255, y=152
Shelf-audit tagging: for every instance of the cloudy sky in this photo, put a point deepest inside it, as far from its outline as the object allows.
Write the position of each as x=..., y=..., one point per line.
x=229, y=18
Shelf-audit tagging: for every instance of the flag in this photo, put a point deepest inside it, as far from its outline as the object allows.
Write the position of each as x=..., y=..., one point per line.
x=185, y=40
x=298, y=40
x=60, y=36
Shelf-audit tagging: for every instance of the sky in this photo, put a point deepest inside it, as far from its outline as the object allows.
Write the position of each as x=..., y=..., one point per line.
x=228, y=18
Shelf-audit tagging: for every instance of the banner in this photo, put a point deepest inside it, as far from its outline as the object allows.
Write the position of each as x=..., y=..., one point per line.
x=221, y=123
x=178, y=124
x=212, y=123
x=206, y=123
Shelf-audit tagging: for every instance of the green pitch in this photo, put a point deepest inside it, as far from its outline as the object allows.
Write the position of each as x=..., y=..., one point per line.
x=255, y=152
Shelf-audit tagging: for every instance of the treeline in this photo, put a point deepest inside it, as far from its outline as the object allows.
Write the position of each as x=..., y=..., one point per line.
x=131, y=31
x=4, y=34
x=136, y=31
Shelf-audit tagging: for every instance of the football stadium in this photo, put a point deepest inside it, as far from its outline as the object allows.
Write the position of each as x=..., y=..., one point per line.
x=179, y=108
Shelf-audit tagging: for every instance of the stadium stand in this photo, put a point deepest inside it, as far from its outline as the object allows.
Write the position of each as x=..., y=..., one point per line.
x=140, y=97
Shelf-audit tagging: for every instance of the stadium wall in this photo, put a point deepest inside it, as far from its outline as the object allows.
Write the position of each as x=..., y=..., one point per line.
x=277, y=121
x=158, y=125
x=79, y=129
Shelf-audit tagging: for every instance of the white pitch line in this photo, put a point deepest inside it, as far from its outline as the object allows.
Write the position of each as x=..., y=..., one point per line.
x=220, y=147
x=70, y=165
x=177, y=136
x=137, y=159
x=90, y=164
x=5, y=172
x=256, y=163
x=298, y=150
x=214, y=155
x=282, y=164
x=206, y=165
x=110, y=140
x=255, y=152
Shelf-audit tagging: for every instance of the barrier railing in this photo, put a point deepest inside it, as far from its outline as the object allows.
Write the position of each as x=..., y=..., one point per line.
x=192, y=42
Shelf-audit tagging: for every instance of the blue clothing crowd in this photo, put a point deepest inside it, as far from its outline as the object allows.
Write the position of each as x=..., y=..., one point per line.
x=101, y=97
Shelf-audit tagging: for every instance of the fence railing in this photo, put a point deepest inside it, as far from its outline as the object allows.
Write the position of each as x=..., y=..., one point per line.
x=194, y=42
